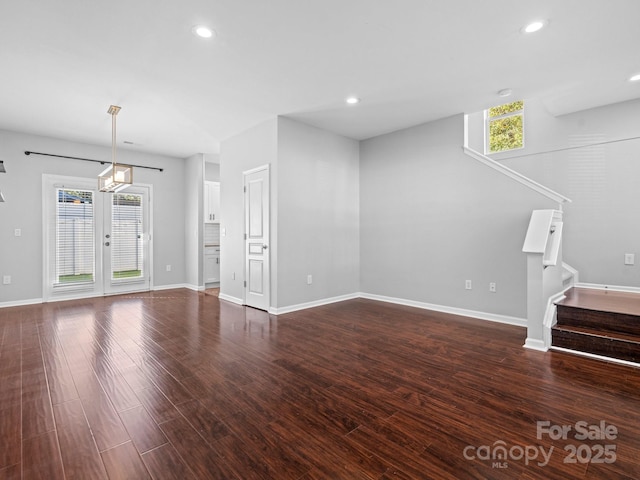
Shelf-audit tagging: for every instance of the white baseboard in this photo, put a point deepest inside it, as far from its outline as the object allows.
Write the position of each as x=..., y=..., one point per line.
x=169, y=287
x=534, y=344
x=21, y=303
x=229, y=298
x=188, y=286
x=492, y=317
x=315, y=303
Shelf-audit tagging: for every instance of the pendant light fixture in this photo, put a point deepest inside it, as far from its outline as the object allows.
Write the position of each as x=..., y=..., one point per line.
x=115, y=177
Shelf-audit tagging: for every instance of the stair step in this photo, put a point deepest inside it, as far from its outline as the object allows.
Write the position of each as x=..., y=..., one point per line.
x=606, y=311
x=600, y=322
x=621, y=346
x=603, y=321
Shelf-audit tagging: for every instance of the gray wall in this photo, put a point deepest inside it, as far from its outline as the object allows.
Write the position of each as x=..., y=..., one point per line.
x=314, y=210
x=603, y=222
x=431, y=218
x=250, y=149
x=318, y=214
x=21, y=257
x=193, y=220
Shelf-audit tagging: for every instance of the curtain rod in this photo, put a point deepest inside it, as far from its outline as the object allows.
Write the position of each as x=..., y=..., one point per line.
x=101, y=162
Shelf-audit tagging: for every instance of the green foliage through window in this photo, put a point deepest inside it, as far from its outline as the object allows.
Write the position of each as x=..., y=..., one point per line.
x=506, y=108
x=506, y=127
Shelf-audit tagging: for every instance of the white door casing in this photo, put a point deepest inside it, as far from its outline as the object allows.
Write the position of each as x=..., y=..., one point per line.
x=257, y=253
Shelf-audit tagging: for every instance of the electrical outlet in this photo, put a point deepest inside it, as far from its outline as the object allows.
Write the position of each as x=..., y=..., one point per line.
x=6, y=280
x=492, y=287
x=309, y=279
x=467, y=284
x=168, y=268
x=17, y=232
x=629, y=259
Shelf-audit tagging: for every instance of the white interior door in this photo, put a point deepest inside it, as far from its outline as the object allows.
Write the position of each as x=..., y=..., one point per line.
x=257, y=265
x=125, y=241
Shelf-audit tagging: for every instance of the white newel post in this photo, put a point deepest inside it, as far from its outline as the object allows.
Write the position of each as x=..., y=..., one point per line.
x=543, y=246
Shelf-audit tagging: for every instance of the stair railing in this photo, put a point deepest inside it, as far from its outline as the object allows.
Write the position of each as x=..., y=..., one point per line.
x=546, y=273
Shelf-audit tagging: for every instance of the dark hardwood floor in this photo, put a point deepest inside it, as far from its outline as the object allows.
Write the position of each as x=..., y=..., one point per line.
x=181, y=385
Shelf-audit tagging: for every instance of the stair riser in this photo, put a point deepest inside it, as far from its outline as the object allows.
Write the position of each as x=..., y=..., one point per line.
x=608, y=347
x=598, y=320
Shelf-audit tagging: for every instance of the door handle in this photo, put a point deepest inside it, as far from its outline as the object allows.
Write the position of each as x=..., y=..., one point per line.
x=264, y=247
x=106, y=244
x=107, y=236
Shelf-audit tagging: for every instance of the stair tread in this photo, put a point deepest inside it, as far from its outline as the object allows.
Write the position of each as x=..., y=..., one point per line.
x=600, y=322
x=602, y=300
x=599, y=333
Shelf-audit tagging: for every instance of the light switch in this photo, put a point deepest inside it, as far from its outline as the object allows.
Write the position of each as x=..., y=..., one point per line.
x=629, y=258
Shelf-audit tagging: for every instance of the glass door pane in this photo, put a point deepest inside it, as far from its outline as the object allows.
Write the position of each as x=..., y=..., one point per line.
x=74, y=237
x=127, y=252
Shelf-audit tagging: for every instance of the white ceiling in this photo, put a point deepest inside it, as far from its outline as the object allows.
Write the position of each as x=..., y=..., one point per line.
x=63, y=62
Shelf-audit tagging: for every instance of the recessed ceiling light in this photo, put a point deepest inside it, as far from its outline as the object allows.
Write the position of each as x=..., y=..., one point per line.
x=534, y=26
x=505, y=92
x=202, y=31
x=352, y=100
x=635, y=78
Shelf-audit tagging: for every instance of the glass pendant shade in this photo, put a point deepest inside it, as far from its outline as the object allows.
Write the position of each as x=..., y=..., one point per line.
x=115, y=177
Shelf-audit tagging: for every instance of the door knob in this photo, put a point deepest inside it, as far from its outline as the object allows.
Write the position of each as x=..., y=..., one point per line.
x=107, y=236
x=265, y=247
x=106, y=244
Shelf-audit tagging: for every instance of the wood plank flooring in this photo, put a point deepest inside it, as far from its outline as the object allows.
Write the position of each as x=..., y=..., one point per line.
x=180, y=385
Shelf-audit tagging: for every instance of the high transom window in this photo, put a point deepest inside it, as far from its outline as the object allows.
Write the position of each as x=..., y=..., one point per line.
x=505, y=127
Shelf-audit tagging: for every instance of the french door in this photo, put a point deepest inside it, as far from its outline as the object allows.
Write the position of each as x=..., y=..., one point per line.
x=94, y=243
x=125, y=241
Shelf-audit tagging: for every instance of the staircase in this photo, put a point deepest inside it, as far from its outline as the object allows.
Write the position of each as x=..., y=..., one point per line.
x=599, y=322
